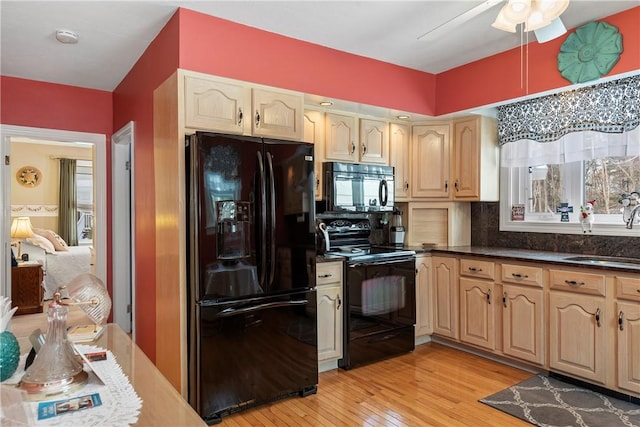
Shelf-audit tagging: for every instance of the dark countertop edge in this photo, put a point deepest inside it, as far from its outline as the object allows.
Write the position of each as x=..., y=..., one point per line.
x=526, y=255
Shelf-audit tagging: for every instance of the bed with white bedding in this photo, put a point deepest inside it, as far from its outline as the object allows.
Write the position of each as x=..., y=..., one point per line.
x=60, y=267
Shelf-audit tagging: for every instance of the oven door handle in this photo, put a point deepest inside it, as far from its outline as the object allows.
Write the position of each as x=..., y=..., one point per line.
x=380, y=262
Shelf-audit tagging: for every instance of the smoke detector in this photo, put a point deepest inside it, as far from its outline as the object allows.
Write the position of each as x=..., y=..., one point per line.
x=67, y=36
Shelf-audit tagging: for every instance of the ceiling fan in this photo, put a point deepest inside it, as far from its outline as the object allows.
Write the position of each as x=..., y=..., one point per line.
x=540, y=16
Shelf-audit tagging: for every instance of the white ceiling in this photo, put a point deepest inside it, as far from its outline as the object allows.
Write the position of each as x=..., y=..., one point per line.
x=113, y=34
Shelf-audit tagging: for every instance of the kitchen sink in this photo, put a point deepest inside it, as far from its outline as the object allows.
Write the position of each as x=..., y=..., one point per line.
x=605, y=260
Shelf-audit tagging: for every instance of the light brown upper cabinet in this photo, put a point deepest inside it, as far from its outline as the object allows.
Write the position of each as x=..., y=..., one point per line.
x=475, y=159
x=399, y=158
x=314, y=133
x=224, y=105
x=430, y=160
x=349, y=139
x=455, y=160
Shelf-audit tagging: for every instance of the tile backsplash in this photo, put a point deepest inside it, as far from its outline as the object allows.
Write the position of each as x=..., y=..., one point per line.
x=485, y=231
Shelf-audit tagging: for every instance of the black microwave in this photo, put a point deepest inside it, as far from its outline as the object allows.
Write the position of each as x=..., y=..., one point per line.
x=358, y=187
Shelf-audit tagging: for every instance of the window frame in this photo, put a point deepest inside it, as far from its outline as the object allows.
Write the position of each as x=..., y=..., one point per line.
x=509, y=190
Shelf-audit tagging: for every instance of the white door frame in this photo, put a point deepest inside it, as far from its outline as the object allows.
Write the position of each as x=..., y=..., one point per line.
x=99, y=142
x=123, y=228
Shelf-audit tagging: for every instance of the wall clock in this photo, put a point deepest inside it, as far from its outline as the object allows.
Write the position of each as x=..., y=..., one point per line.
x=590, y=52
x=29, y=176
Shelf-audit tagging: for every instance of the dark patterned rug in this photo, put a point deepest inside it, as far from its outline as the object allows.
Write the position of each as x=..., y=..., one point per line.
x=545, y=401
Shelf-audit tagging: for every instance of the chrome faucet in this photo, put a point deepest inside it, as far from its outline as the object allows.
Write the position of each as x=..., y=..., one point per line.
x=632, y=216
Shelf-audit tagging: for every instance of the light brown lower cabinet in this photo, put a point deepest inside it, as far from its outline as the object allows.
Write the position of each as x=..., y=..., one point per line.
x=477, y=313
x=424, y=314
x=445, y=296
x=577, y=334
x=628, y=325
x=523, y=323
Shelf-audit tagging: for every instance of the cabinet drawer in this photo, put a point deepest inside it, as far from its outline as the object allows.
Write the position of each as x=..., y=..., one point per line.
x=328, y=272
x=475, y=268
x=522, y=275
x=628, y=288
x=577, y=281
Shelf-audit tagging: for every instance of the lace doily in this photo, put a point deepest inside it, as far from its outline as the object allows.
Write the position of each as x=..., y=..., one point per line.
x=120, y=403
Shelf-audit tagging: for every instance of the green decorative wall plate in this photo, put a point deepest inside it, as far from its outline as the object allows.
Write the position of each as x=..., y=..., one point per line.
x=590, y=52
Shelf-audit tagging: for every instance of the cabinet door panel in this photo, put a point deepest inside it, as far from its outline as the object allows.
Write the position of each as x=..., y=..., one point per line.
x=523, y=323
x=374, y=141
x=445, y=301
x=329, y=322
x=467, y=159
x=424, y=314
x=277, y=114
x=399, y=159
x=314, y=133
x=629, y=346
x=576, y=338
x=217, y=106
x=477, y=313
x=431, y=154
x=341, y=138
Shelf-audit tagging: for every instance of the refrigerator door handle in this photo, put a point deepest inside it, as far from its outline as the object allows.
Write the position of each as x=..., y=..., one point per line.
x=272, y=217
x=235, y=311
x=263, y=220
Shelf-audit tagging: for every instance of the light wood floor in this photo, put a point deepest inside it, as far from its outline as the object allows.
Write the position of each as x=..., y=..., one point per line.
x=433, y=386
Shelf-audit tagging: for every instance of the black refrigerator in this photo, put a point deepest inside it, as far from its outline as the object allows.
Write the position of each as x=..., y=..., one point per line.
x=251, y=272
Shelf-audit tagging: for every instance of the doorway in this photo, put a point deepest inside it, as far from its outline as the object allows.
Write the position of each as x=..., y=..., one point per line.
x=98, y=141
x=122, y=233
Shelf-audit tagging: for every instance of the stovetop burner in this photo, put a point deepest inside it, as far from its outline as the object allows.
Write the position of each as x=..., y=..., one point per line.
x=372, y=253
x=349, y=238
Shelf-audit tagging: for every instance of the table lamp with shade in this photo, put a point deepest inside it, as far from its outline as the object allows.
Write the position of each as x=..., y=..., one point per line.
x=21, y=229
x=56, y=368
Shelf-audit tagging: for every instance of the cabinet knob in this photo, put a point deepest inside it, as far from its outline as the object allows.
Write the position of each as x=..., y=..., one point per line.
x=406, y=187
x=455, y=184
x=475, y=269
x=446, y=186
x=353, y=147
x=489, y=296
x=240, y=116
x=317, y=183
x=598, y=317
x=519, y=276
x=257, y=118
x=339, y=303
x=504, y=300
x=324, y=276
x=364, y=149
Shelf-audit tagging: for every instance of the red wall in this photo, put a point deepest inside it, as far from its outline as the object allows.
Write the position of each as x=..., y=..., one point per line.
x=54, y=106
x=497, y=78
x=220, y=47
x=133, y=100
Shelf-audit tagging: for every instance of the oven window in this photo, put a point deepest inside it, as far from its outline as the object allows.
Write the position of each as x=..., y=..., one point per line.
x=382, y=295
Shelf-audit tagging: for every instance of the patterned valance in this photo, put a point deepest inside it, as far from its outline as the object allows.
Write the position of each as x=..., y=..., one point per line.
x=611, y=107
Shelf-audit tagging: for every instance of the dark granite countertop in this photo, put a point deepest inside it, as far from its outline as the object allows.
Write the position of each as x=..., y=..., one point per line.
x=557, y=258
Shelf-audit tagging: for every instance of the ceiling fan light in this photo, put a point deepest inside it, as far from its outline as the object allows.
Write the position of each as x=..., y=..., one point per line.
x=536, y=21
x=516, y=10
x=518, y=6
x=552, y=8
x=504, y=24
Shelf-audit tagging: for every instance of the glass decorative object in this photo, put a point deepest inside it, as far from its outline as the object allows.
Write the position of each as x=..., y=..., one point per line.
x=57, y=368
x=590, y=52
x=9, y=347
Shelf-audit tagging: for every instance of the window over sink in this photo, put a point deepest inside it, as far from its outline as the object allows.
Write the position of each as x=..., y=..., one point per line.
x=562, y=154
